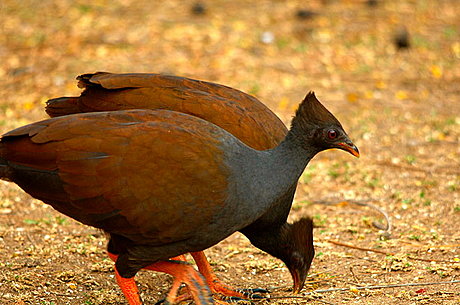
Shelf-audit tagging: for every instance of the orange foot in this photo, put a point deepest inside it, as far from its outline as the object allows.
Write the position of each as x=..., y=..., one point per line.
x=220, y=290
x=182, y=272
x=222, y=293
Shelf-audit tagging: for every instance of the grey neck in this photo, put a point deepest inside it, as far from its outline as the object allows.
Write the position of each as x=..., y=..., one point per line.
x=281, y=167
x=262, y=178
x=262, y=182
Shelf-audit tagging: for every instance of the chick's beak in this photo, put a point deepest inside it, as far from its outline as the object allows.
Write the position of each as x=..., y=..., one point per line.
x=349, y=147
x=299, y=280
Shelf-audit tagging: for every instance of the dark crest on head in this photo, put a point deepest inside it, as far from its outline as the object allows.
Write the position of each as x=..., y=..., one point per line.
x=303, y=229
x=312, y=112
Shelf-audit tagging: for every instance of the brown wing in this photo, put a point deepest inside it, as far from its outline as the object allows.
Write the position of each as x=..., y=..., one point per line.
x=239, y=113
x=134, y=173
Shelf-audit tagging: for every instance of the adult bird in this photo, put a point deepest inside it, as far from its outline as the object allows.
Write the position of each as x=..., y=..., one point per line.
x=196, y=184
x=242, y=115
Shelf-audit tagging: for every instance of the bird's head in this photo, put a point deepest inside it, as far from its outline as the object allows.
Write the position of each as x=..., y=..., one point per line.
x=316, y=127
x=298, y=251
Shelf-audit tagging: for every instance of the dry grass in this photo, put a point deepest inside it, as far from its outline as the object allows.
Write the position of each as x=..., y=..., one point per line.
x=402, y=109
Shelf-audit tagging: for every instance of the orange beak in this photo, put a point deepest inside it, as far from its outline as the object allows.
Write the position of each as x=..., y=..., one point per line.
x=349, y=147
x=299, y=280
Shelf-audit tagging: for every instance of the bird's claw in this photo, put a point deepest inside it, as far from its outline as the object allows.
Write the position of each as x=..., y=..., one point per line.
x=253, y=293
x=247, y=295
x=229, y=299
x=162, y=302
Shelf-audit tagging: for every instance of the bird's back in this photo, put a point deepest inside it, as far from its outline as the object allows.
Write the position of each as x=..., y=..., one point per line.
x=152, y=176
x=235, y=111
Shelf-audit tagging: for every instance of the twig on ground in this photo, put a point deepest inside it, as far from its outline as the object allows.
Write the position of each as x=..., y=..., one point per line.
x=430, y=171
x=296, y=297
x=354, y=276
x=389, y=253
x=386, y=286
x=306, y=283
x=431, y=246
x=309, y=281
x=321, y=280
x=358, y=248
x=31, y=240
x=325, y=302
x=430, y=260
x=388, y=226
x=350, y=283
x=277, y=287
x=322, y=272
x=307, y=294
x=405, y=167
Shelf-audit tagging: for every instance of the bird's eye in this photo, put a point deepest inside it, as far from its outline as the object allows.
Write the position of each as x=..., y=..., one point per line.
x=332, y=134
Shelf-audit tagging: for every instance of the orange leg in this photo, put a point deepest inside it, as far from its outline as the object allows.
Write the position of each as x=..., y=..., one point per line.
x=217, y=286
x=127, y=285
x=181, y=271
x=184, y=273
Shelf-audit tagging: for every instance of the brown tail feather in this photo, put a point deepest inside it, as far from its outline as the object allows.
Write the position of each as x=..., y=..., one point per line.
x=84, y=80
x=4, y=169
x=62, y=106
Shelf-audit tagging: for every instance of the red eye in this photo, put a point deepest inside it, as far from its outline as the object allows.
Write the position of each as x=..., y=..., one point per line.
x=332, y=134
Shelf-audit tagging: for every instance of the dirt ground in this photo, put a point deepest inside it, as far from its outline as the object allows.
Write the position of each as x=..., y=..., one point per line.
x=400, y=107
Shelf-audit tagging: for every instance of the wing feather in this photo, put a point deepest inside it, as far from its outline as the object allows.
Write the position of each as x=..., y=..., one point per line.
x=148, y=175
x=237, y=112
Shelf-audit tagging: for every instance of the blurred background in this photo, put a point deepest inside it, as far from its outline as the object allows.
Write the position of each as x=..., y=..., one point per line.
x=388, y=69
